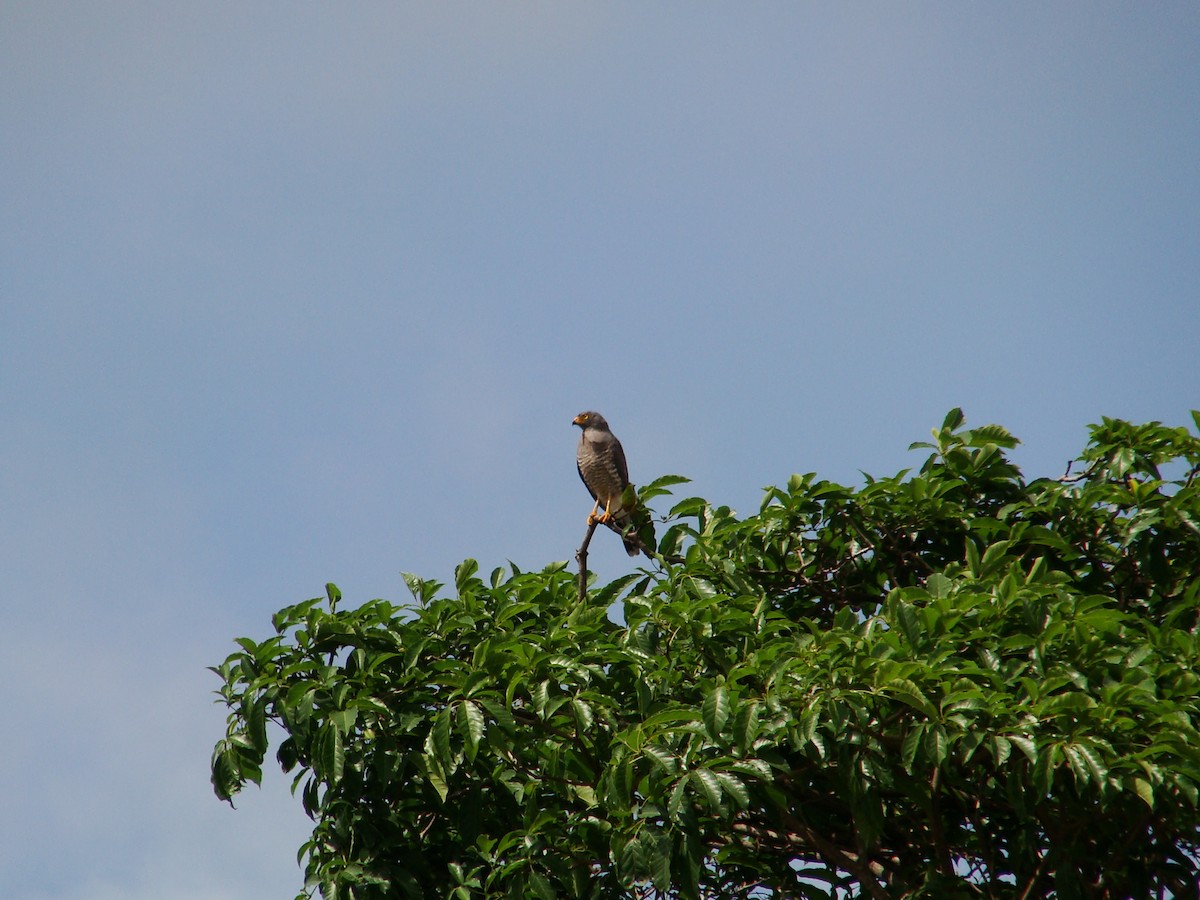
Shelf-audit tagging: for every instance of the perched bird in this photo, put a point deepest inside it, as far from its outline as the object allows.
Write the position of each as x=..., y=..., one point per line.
x=602, y=467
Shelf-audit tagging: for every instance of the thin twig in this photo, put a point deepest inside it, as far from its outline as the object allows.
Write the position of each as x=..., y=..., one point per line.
x=581, y=557
x=1068, y=478
x=864, y=869
x=1035, y=877
x=935, y=823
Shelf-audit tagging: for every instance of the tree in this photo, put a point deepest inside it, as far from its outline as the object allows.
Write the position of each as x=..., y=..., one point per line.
x=947, y=683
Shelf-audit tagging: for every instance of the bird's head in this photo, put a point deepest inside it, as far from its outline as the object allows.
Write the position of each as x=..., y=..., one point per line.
x=590, y=419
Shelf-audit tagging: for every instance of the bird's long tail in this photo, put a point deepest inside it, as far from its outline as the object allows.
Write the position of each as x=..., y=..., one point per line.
x=627, y=527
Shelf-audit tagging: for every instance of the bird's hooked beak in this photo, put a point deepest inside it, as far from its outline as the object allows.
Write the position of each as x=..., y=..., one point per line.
x=580, y=420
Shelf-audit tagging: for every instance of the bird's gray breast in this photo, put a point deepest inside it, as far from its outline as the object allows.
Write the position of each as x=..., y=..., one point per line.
x=598, y=464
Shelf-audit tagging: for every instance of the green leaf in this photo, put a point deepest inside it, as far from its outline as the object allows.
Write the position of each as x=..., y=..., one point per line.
x=734, y=787
x=972, y=558
x=1002, y=749
x=1075, y=760
x=937, y=744
x=464, y=573
x=583, y=715
x=226, y=774
x=689, y=507
x=438, y=744
x=333, y=594
x=631, y=862
x=746, y=725
x=993, y=556
x=909, y=693
x=331, y=754
x=471, y=725
x=659, y=863
x=1122, y=462
x=1025, y=745
x=756, y=768
x=676, y=802
x=710, y=785
x=541, y=886
x=910, y=745
x=661, y=758
x=669, y=717
x=1044, y=769
x=659, y=486
x=939, y=586
x=500, y=714
x=845, y=619
x=433, y=775
x=256, y=726
x=343, y=719
x=1144, y=790
x=715, y=710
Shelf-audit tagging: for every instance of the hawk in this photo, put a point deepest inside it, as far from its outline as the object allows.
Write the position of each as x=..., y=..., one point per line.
x=602, y=467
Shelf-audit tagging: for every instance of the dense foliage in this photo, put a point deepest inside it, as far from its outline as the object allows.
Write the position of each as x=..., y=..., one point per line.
x=946, y=683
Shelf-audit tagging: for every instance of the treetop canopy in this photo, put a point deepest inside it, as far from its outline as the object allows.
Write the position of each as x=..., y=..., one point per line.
x=948, y=682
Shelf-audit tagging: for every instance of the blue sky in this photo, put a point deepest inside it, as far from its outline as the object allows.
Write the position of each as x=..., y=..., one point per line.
x=296, y=293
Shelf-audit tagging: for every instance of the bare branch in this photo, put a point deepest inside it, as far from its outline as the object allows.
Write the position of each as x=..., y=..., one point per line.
x=1068, y=478
x=1035, y=877
x=581, y=556
x=935, y=823
x=800, y=834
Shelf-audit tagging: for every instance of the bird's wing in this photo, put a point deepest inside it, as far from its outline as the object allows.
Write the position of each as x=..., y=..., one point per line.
x=618, y=456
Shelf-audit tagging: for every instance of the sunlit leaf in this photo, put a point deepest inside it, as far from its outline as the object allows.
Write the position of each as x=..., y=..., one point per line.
x=716, y=710
x=709, y=785
x=331, y=754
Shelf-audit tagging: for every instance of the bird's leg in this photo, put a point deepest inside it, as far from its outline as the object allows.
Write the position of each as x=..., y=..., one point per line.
x=605, y=517
x=592, y=518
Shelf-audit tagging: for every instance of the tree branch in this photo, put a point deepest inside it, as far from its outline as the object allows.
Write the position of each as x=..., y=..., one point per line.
x=1035, y=877
x=581, y=557
x=935, y=824
x=1068, y=478
x=800, y=834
